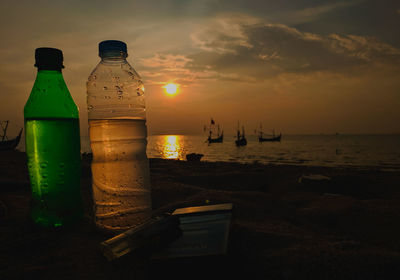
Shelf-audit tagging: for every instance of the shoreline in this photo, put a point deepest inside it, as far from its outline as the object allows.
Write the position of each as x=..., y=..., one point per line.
x=385, y=168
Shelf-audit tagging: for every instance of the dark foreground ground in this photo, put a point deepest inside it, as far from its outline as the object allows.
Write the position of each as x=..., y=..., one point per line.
x=347, y=227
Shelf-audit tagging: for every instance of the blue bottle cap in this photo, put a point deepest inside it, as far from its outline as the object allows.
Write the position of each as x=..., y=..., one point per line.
x=49, y=59
x=112, y=46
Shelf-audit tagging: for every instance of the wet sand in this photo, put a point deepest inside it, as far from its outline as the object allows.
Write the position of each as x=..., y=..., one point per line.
x=285, y=225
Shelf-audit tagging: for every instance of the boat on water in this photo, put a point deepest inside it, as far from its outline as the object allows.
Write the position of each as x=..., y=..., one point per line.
x=240, y=138
x=220, y=135
x=272, y=138
x=194, y=157
x=8, y=144
x=219, y=139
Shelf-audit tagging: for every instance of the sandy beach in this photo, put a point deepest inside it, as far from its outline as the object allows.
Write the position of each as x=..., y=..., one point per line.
x=287, y=223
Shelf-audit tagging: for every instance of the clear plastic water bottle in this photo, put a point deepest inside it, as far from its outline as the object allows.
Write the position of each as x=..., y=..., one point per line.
x=118, y=139
x=52, y=145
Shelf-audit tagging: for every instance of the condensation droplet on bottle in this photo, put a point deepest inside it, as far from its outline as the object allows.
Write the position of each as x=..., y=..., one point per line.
x=43, y=165
x=119, y=90
x=44, y=187
x=130, y=73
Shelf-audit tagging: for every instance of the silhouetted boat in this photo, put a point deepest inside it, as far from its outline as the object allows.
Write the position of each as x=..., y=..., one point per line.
x=241, y=139
x=220, y=135
x=219, y=139
x=5, y=144
x=273, y=138
x=194, y=157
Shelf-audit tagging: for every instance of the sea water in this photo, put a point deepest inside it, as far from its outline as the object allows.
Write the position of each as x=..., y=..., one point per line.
x=120, y=172
x=54, y=165
x=381, y=151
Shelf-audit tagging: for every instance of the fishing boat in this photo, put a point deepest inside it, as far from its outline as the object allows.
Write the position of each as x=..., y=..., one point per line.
x=241, y=139
x=8, y=144
x=220, y=135
x=272, y=138
x=194, y=157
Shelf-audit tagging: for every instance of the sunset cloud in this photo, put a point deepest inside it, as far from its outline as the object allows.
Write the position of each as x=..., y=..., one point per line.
x=223, y=34
x=262, y=50
x=166, y=61
x=314, y=12
x=364, y=48
x=246, y=49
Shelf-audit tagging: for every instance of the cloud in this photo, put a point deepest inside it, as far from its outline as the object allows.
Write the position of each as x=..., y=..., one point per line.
x=247, y=49
x=167, y=61
x=163, y=68
x=227, y=33
x=364, y=48
x=252, y=48
x=312, y=13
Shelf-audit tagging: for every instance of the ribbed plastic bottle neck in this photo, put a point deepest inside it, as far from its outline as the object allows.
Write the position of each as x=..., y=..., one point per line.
x=113, y=57
x=113, y=60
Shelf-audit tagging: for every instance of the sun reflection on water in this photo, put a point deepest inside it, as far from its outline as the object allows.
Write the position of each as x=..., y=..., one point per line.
x=172, y=148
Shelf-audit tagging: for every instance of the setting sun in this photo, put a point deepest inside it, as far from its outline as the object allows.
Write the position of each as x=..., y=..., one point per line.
x=171, y=89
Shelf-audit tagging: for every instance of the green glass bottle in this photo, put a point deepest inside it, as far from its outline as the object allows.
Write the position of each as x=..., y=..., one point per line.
x=52, y=144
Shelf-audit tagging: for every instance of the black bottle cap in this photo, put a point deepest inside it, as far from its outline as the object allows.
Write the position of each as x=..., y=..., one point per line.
x=49, y=59
x=112, y=46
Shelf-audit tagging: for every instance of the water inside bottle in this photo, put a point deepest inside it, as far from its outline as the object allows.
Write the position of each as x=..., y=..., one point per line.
x=120, y=168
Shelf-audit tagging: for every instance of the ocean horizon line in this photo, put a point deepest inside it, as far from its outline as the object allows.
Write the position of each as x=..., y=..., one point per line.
x=283, y=134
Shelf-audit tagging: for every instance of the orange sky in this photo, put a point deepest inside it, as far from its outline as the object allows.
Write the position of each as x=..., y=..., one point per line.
x=296, y=66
